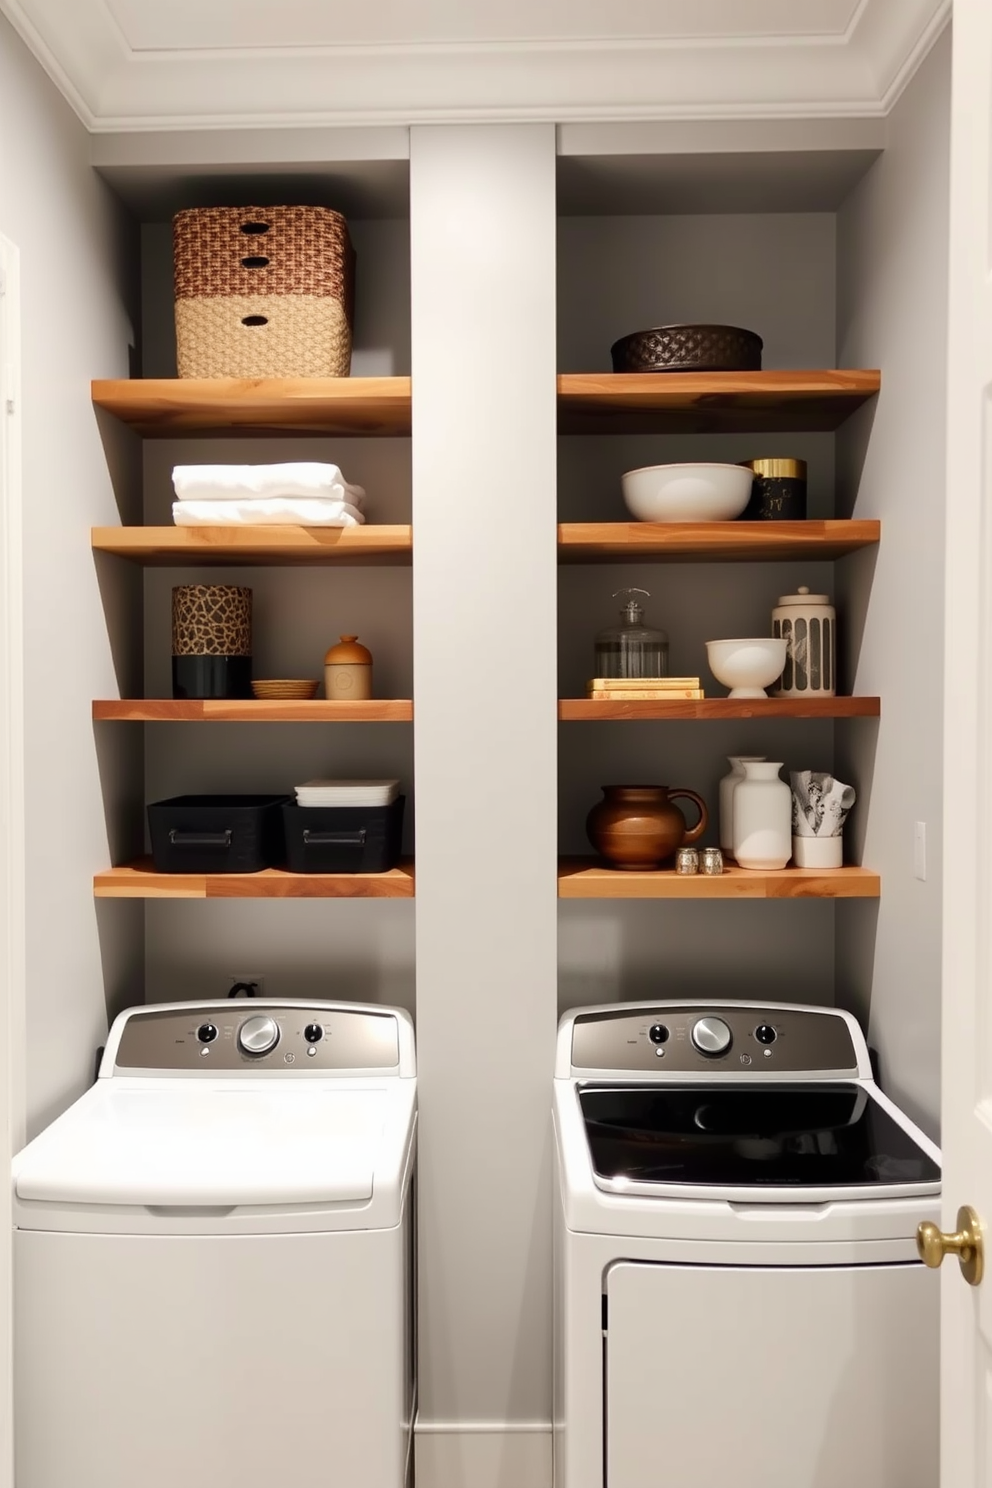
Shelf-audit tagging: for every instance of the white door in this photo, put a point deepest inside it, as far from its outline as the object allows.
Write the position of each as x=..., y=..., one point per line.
x=966, y=1344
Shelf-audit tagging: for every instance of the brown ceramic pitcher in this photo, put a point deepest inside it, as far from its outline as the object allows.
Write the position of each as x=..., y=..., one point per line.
x=636, y=826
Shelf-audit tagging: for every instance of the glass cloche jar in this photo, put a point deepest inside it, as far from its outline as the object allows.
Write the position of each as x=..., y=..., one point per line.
x=631, y=649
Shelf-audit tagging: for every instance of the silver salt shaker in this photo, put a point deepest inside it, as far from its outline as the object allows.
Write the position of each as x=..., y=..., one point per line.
x=687, y=860
x=712, y=862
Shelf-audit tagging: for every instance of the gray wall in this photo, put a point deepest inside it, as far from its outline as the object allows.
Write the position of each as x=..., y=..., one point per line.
x=362, y=950
x=774, y=273
x=892, y=261
x=77, y=639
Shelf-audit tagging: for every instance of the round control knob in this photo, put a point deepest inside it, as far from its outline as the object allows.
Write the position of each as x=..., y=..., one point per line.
x=313, y=1033
x=206, y=1033
x=712, y=1037
x=658, y=1033
x=258, y=1035
x=765, y=1033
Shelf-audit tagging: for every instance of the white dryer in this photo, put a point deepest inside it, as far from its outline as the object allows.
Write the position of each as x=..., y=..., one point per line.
x=213, y=1255
x=737, y=1293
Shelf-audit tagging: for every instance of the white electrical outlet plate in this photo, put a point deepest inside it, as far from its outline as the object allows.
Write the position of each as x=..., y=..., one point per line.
x=920, y=850
x=252, y=978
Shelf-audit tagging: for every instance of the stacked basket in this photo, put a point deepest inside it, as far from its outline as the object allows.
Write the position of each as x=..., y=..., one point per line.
x=263, y=292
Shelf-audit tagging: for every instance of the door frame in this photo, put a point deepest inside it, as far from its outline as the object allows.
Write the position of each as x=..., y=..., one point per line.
x=13, y=937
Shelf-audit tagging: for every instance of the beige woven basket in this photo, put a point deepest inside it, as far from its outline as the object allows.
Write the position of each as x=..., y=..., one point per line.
x=263, y=292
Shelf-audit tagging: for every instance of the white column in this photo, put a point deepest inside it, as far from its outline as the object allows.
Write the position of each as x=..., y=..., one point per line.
x=484, y=458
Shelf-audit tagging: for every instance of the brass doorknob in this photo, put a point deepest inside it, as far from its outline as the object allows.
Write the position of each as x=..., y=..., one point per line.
x=933, y=1244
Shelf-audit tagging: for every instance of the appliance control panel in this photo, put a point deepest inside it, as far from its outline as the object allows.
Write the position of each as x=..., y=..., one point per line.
x=250, y=1036
x=708, y=1040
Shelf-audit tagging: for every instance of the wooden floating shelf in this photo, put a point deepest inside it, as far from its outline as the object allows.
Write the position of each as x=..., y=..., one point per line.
x=167, y=408
x=710, y=402
x=671, y=402
x=588, y=878
x=160, y=547
x=713, y=542
x=252, y=710
x=588, y=402
x=578, y=542
x=140, y=881
x=575, y=710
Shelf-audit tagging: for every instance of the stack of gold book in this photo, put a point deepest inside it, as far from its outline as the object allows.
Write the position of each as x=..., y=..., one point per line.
x=645, y=689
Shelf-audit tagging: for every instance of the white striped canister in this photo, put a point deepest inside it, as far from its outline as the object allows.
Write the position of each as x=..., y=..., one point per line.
x=808, y=623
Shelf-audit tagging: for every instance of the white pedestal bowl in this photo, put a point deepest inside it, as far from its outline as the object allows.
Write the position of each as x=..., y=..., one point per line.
x=747, y=666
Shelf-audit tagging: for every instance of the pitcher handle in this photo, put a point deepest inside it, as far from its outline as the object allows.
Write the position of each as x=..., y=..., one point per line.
x=704, y=816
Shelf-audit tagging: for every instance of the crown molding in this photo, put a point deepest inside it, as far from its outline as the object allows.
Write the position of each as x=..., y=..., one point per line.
x=900, y=73
x=43, y=53
x=857, y=73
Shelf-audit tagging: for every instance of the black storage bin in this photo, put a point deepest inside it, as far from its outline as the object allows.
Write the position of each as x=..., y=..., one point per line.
x=343, y=839
x=216, y=834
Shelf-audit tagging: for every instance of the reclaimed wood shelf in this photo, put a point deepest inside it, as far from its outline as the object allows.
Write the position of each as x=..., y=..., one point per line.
x=160, y=547
x=172, y=407
x=713, y=542
x=252, y=710
x=139, y=880
x=710, y=402
x=589, y=878
x=585, y=710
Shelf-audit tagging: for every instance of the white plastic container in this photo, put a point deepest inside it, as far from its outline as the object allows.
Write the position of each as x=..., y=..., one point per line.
x=808, y=624
x=762, y=817
x=727, y=786
x=347, y=792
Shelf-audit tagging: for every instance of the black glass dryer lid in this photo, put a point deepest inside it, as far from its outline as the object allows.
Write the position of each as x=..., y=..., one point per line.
x=738, y=1136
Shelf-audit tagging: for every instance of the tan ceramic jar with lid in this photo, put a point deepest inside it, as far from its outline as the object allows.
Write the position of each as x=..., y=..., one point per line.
x=348, y=670
x=808, y=624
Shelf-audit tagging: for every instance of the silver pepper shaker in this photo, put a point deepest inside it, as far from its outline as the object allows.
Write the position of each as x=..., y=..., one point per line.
x=712, y=861
x=687, y=860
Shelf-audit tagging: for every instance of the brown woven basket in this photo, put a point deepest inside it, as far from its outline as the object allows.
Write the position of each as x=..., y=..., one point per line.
x=263, y=292
x=688, y=348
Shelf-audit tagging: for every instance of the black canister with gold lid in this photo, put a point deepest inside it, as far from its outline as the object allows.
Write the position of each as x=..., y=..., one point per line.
x=778, y=493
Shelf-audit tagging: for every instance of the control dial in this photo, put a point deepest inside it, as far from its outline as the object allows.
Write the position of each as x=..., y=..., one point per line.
x=712, y=1037
x=258, y=1035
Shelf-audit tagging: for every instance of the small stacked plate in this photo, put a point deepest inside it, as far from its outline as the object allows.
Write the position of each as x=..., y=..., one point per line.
x=286, y=689
x=347, y=793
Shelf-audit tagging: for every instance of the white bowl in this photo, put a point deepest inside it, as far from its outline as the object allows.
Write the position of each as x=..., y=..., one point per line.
x=687, y=493
x=747, y=666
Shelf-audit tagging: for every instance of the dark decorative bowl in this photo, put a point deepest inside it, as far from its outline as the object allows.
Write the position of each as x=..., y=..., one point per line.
x=688, y=348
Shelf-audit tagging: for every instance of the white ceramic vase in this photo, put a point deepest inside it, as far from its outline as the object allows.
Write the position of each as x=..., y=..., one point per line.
x=727, y=787
x=762, y=805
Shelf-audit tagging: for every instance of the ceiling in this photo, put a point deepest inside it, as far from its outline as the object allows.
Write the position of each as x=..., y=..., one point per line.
x=180, y=64
x=189, y=25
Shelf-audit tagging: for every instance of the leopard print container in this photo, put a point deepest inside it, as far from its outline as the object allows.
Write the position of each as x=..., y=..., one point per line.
x=211, y=641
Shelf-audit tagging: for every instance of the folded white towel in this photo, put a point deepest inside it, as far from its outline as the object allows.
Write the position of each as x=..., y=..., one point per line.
x=275, y=511
x=307, y=479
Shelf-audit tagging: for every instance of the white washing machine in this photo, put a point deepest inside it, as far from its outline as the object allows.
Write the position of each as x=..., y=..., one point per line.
x=737, y=1293
x=213, y=1256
